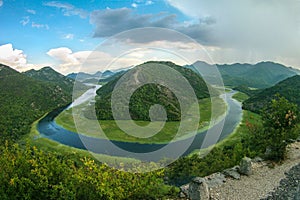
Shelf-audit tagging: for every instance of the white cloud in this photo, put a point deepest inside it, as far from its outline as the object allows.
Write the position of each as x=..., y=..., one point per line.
x=88, y=61
x=67, y=9
x=11, y=56
x=1, y=3
x=69, y=36
x=16, y=58
x=36, y=25
x=31, y=11
x=25, y=20
x=149, y=3
x=134, y=5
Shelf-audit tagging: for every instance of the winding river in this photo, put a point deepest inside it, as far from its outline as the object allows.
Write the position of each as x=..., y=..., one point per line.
x=49, y=129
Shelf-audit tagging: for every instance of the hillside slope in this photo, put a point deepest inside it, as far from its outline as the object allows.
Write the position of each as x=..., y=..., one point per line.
x=146, y=96
x=23, y=100
x=288, y=88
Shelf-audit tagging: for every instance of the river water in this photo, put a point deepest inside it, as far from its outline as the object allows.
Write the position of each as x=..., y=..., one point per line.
x=49, y=129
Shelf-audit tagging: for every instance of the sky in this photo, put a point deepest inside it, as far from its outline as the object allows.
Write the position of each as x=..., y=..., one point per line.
x=73, y=36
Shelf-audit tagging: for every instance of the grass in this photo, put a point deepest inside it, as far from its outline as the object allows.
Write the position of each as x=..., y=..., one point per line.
x=236, y=135
x=34, y=139
x=113, y=132
x=227, y=89
x=239, y=96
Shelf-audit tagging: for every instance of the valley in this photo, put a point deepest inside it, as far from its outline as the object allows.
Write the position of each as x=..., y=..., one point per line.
x=57, y=129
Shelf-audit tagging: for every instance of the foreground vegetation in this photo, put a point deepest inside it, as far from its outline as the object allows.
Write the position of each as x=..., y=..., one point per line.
x=29, y=173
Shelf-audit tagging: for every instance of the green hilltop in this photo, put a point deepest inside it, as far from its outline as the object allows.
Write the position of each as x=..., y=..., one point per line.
x=49, y=75
x=149, y=94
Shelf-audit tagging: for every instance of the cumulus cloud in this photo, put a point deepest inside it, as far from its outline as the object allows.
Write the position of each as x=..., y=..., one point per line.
x=11, y=56
x=112, y=21
x=67, y=9
x=92, y=61
x=69, y=61
x=15, y=58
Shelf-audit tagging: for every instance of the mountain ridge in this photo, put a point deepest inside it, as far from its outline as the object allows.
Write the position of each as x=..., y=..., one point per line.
x=260, y=75
x=50, y=75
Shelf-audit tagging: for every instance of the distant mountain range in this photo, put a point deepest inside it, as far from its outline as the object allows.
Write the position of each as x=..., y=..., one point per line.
x=24, y=99
x=288, y=88
x=260, y=75
x=146, y=96
x=85, y=77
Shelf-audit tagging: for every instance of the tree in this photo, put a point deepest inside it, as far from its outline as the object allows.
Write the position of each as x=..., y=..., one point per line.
x=279, y=121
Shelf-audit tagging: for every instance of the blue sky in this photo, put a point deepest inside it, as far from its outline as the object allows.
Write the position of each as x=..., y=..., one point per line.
x=59, y=33
x=37, y=26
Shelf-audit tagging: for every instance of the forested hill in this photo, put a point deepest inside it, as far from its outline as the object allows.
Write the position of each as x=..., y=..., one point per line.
x=146, y=96
x=48, y=74
x=260, y=75
x=289, y=88
x=24, y=100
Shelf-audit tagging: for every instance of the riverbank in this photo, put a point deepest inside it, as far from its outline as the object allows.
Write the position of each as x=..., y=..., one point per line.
x=35, y=139
x=111, y=131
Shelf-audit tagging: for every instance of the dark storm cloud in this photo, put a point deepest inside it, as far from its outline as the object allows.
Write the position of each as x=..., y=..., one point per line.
x=112, y=21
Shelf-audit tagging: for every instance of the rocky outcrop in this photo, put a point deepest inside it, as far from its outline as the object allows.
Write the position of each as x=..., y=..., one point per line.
x=232, y=172
x=184, y=191
x=246, y=166
x=215, y=180
x=198, y=189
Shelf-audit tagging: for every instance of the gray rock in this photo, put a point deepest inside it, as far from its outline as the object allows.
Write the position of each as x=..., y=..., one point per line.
x=182, y=195
x=233, y=173
x=215, y=180
x=184, y=190
x=289, y=187
x=198, y=189
x=257, y=159
x=246, y=166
